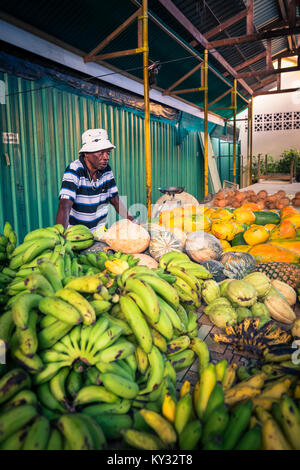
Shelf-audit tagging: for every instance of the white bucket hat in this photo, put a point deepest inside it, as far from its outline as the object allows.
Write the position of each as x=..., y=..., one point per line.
x=94, y=140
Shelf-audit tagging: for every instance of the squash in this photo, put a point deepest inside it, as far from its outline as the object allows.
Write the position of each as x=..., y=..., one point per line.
x=244, y=216
x=256, y=234
x=285, y=229
x=287, y=291
x=201, y=246
x=266, y=217
x=215, y=268
x=127, y=237
x=146, y=260
x=221, y=215
x=163, y=243
x=280, y=310
x=268, y=253
x=244, y=259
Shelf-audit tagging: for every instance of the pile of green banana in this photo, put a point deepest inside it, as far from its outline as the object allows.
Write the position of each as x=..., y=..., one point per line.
x=8, y=241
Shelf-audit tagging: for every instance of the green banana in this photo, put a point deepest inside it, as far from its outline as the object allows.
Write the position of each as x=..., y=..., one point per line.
x=200, y=348
x=85, y=284
x=113, y=367
x=94, y=394
x=290, y=420
x=14, y=419
x=28, y=342
x=177, y=345
x=136, y=322
x=162, y=288
x=49, y=371
x=190, y=435
x=141, y=440
x=13, y=382
x=170, y=256
x=122, y=387
x=24, y=397
x=7, y=325
x=183, y=412
x=60, y=309
x=55, y=441
x=48, y=336
x=100, y=306
x=39, y=234
x=49, y=271
x=216, y=423
x=74, y=383
x=172, y=314
x=157, y=367
x=108, y=338
x=75, y=432
x=38, y=284
x=182, y=360
x=150, y=306
x=58, y=385
x=47, y=399
x=119, y=407
x=21, y=308
x=238, y=423
x=38, y=434
x=96, y=331
x=98, y=436
x=215, y=400
x=251, y=440
x=15, y=441
x=37, y=248
x=112, y=424
x=119, y=350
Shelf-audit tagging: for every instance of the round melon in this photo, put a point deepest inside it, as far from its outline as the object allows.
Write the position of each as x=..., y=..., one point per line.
x=202, y=246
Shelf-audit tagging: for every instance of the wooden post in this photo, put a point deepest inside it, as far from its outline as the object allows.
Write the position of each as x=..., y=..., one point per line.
x=205, y=77
x=234, y=129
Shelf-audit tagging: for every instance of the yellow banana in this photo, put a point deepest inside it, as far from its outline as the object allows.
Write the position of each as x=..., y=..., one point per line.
x=80, y=303
x=207, y=382
x=221, y=369
x=177, y=345
x=229, y=377
x=237, y=394
x=142, y=360
x=169, y=408
x=85, y=284
x=272, y=437
x=141, y=440
x=185, y=388
x=161, y=426
x=158, y=340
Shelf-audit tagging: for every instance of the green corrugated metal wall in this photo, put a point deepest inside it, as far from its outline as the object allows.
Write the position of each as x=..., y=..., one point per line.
x=223, y=152
x=49, y=123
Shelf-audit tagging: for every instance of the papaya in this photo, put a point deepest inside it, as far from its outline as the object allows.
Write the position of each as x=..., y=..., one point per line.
x=288, y=210
x=256, y=234
x=268, y=253
x=244, y=216
x=294, y=218
x=291, y=245
x=239, y=248
x=285, y=229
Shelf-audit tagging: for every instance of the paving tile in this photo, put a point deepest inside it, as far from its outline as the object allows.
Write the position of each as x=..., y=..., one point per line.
x=192, y=377
x=204, y=331
x=195, y=366
x=204, y=320
x=213, y=346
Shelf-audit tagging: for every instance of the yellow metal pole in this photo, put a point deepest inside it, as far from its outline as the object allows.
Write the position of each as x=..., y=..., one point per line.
x=147, y=107
x=250, y=125
x=234, y=130
x=205, y=71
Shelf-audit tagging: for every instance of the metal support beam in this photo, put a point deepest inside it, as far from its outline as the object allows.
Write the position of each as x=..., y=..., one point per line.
x=276, y=92
x=278, y=77
x=269, y=64
x=187, y=90
x=147, y=108
x=281, y=32
x=205, y=79
x=226, y=24
x=112, y=55
x=248, y=62
x=220, y=97
x=234, y=103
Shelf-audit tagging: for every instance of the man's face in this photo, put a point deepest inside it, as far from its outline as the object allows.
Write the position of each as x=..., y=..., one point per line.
x=99, y=159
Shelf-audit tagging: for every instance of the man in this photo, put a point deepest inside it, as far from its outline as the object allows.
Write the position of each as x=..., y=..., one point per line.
x=88, y=185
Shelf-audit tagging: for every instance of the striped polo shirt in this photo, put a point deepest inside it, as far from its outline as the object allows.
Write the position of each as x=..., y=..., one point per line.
x=90, y=205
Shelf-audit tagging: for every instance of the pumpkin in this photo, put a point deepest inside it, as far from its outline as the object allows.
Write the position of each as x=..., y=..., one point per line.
x=244, y=216
x=127, y=237
x=243, y=259
x=201, y=246
x=223, y=230
x=256, y=234
x=287, y=291
x=285, y=229
x=288, y=210
x=293, y=218
x=215, y=268
x=208, y=211
x=146, y=260
x=222, y=215
x=279, y=309
x=267, y=253
x=163, y=243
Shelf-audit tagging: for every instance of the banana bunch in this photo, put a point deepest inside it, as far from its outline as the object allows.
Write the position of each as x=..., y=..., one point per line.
x=250, y=335
x=79, y=236
x=8, y=241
